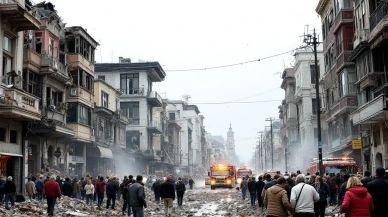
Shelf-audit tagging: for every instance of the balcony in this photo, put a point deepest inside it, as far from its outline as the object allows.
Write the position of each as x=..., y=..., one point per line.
x=372, y=112
x=290, y=98
x=18, y=104
x=360, y=36
x=155, y=99
x=345, y=16
x=51, y=65
x=343, y=59
x=346, y=104
x=79, y=94
x=77, y=60
x=32, y=60
x=56, y=116
x=154, y=127
x=82, y=133
x=102, y=110
x=15, y=15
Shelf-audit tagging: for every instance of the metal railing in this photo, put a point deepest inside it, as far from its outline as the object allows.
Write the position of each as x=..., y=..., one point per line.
x=133, y=91
x=154, y=94
x=380, y=13
x=154, y=124
x=49, y=61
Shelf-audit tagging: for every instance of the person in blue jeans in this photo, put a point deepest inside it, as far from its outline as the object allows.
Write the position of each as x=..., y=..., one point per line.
x=244, y=187
x=39, y=187
x=252, y=190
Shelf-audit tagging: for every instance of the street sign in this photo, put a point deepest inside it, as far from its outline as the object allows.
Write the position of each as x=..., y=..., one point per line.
x=356, y=144
x=57, y=153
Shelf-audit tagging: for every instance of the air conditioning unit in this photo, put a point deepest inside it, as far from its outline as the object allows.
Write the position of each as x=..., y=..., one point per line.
x=73, y=92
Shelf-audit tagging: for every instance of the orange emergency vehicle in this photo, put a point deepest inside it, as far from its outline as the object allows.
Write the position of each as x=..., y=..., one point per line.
x=243, y=172
x=222, y=175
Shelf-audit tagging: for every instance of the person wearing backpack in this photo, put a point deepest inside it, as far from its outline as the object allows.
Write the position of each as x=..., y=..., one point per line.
x=244, y=187
x=39, y=187
x=303, y=197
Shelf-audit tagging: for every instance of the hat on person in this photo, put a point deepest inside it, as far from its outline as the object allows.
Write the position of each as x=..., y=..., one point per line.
x=10, y=178
x=169, y=178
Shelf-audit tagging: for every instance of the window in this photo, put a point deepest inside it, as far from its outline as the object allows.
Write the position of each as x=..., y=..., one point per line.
x=346, y=82
x=314, y=106
x=84, y=115
x=102, y=77
x=86, y=80
x=129, y=83
x=172, y=116
x=131, y=110
x=2, y=134
x=7, y=54
x=313, y=74
x=13, y=136
x=339, y=43
x=51, y=47
x=72, y=113
x=104, y=99
x=38, y=45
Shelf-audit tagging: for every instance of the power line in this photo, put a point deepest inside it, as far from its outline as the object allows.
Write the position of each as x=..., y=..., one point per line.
x=230, y=65
x=222, y=103
x=253, y=95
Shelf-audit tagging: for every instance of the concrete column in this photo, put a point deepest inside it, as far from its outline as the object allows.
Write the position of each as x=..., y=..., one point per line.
x=84, y=156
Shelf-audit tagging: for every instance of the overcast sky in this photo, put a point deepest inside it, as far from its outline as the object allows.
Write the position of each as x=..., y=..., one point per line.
x=198, y=34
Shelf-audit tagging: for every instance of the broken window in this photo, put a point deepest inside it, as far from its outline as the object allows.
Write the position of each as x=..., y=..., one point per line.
x=38, y=45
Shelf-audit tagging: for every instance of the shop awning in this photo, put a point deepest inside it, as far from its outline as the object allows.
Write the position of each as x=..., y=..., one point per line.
x=11, y=154
x=105, y=152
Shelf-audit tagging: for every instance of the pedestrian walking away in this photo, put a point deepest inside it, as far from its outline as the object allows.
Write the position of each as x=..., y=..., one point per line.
x=67, y=188
x=76, y=188
x=100, y=191
x=129, y=182
x=342, y=189
x=244, y=188
x=323, y=191
x=191, y=183
x=367, y=178
x=136, y=198
x=276, y=200
x=259, y=188
x=51, y=191
x=167, y=193
x=156, y=189
x=303, y=197
x=378, y=189
x=180, y=191
x=82, y=185
x=39, y=187
x=111, y=190
x=357, y=201
x=10, y=192
x=30, y=189
x=252, y=190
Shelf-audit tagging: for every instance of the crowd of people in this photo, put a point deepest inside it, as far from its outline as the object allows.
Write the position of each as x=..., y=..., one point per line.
x=93, y=190
x=308, y=196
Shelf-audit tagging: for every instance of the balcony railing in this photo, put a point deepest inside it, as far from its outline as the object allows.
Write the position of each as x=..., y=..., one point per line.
x=14, y=102
x=379, y=14
x=133, y=91
x=155, y=126
x=155, y=98
x=53, y=63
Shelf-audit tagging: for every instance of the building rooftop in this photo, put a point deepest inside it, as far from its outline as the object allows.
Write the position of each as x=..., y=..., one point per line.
x=126, y=67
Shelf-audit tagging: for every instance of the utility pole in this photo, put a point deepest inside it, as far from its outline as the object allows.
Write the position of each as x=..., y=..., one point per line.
x=271, y=120
x=261, y=151
x=313, y=40
x=285, y=155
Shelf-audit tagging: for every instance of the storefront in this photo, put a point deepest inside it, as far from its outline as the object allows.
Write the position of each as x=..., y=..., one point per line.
x=100, y=161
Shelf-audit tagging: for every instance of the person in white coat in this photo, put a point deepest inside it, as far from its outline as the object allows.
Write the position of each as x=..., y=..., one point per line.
x=89, y=188
x=303, y=197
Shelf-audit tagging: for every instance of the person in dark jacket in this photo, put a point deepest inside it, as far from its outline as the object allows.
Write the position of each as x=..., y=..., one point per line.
x=342, y=189
x=288, y=188
x=100, y=190
x=378, y=189
x=191, y=183
x=167, y=192
x=252, y=190
x=180, y=191
x=156, y=189
x=366, y=178
x=128, y=184
x=259, y=188
x=136, y=198
x=67, y=188
x=323, y=190
x=122, y=187
x=83, y=191
x=111, y=190
x=39, y=187
x=59, y=181
x=9, y=191
x=2, y=182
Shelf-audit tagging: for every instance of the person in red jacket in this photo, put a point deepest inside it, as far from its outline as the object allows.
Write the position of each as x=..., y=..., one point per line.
x=51, y=191
x=100, y=190
x=357, y=201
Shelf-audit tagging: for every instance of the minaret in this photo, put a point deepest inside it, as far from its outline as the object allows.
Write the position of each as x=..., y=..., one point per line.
x=230, y=144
